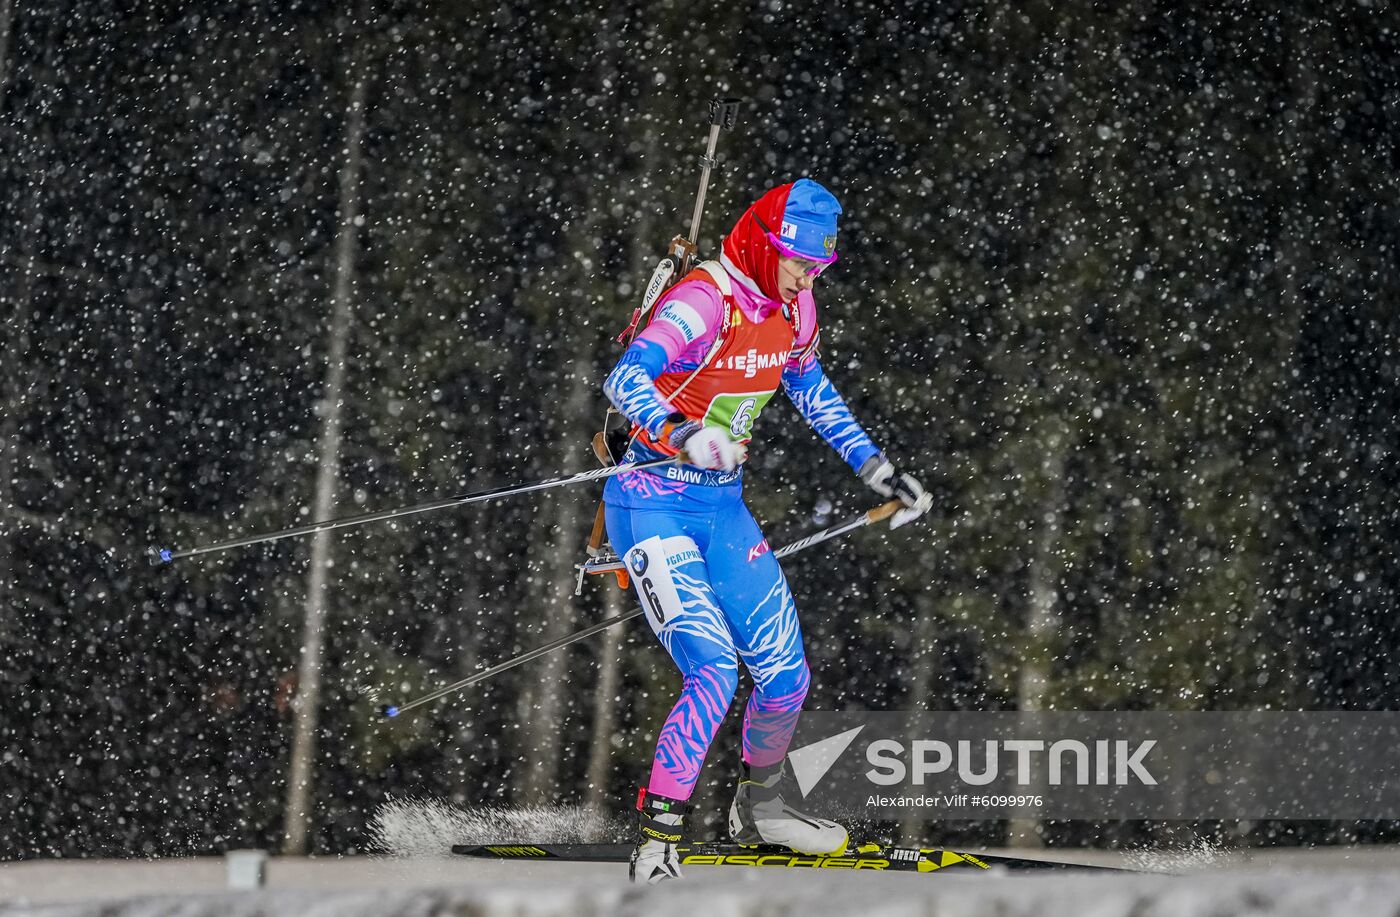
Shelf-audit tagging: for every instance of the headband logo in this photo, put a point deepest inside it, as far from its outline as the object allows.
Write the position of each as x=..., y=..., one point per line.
x=829, y=243
x=789, y=230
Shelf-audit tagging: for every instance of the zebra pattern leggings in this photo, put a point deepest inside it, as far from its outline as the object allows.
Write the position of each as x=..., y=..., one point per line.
x=714, y=595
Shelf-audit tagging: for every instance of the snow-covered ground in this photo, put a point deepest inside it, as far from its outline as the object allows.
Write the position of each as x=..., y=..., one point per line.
x=416, y=876
x=1358, y=883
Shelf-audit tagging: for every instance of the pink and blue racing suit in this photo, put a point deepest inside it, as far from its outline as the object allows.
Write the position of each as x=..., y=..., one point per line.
x=711, y=588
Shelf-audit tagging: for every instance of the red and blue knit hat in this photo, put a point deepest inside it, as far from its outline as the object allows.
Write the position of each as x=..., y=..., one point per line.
x=797, y=220
x=808, y=226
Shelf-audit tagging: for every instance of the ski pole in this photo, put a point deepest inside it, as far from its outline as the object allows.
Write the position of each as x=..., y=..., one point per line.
x=884, y=511
x=878, y=514
x=537, y=652
x=166, y=555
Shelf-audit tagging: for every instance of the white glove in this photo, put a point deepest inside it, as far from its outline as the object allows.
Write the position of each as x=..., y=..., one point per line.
x=880, y=474
x=712, y=449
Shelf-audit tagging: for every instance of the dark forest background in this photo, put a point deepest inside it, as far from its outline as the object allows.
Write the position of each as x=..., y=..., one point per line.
x=1118, y=281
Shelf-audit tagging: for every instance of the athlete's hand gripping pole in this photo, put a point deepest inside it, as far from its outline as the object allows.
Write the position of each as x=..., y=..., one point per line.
x=877, y=514
x=709, y=448
x=166, y=555
x=885, y=480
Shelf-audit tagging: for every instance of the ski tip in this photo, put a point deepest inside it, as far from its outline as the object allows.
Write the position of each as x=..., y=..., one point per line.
x=158, y=556
x=389, y=710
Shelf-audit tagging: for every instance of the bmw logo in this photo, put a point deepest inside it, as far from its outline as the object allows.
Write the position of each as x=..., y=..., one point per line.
x=637, y=559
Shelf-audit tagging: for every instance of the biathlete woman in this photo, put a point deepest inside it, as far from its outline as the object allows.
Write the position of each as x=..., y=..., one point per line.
x=720, y=344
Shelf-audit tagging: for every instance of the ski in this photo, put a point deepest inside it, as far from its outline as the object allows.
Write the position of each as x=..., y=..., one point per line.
x=857, y=856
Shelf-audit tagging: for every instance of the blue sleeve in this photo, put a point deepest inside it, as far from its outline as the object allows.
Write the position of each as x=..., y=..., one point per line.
x=631, y=386
x=817, y=400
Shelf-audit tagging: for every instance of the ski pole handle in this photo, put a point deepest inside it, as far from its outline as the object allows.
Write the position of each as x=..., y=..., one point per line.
x=883, y=511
